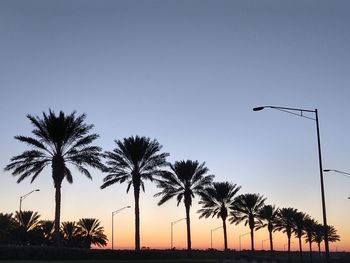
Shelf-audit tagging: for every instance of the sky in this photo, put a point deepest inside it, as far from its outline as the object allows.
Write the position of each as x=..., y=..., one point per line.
x=188, y=74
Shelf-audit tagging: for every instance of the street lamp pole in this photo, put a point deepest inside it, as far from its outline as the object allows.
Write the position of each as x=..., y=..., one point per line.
x=300, y=113
x=113, y=213
x=211, y=235
x=171, y=231
x=240, y=242
x=23, y=197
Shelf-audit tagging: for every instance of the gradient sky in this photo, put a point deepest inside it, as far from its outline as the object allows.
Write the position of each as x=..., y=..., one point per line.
x=187, y=73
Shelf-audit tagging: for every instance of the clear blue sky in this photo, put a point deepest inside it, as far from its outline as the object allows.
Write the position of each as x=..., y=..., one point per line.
x=187, y=73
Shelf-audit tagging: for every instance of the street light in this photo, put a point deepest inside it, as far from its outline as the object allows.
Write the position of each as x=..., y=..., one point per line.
x=23, y=197
x=337, y=171
x=240, y=242
x=300, y=113
x=262, y=243
x=113, y=213
x=171, y=232
x=211, y=235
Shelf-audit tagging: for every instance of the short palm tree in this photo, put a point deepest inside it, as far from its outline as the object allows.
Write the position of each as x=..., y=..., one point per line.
x=186, y=179
x=134, y=160
x=70, y=231
x=58, y=140
x=92, y=232
x=27, y=222
x=285, y=222
x=216, y=200
x=7, y=225
x=246, y=208
x=268, y=215
x=47, y=229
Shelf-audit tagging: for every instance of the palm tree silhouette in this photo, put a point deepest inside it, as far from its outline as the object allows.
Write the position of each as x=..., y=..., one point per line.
x=246, y=208
x=134, y=160
x=70, y=231
x=91, y=232
x=7, y=225
x=299, y=226
x=186, y=179
x=58, y=141
x=309, y=226
x=285, y=222
x=268, y=215
x=216, y=200
x=27, y=222
x=318, y=236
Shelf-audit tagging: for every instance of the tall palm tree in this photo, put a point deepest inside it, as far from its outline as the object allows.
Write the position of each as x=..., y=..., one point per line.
x=299, y=226
x=268, y=215
x=92, y=232
x=186, y=179
x=309, y=226
x=134, y=160
x=58, y=140
x=216, y=200
x=246, y=207
x=285, y=222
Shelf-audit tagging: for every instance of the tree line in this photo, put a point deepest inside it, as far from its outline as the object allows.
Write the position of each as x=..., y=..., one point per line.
x=26, y=228
x=64, y=140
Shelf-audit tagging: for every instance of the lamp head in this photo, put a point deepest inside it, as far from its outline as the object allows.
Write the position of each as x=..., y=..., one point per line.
x=128, y=206
x=37, y=190
x=258, y=108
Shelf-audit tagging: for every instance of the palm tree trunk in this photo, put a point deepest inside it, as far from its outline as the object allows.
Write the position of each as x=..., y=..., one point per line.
x=137, y=217
x=57, y=214
x=252, y=238
x=300, y=247
x=225, y=233
x=288, y=243
x=188, y=223
x=271, y=243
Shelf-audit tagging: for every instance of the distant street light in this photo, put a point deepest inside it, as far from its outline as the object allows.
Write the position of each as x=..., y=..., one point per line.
x=240, y=241
x=262, y=243
x=113, y=213
x=211, y=235
x=300, y=113
x=171, y=231
x=23, y=197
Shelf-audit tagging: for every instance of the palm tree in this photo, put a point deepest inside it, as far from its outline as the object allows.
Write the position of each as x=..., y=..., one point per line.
x=285, y=222
x=309, y=226
x=134, y=160
x=186, y=179
x=70, y=231
x=7, y=225
x=268, y=215
x=58, y=141
x=92, y=232
x=318, y=235
x=246, y=207
x=216, y=200
x=47, y=229
x=27, y=221
x=299, y=226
